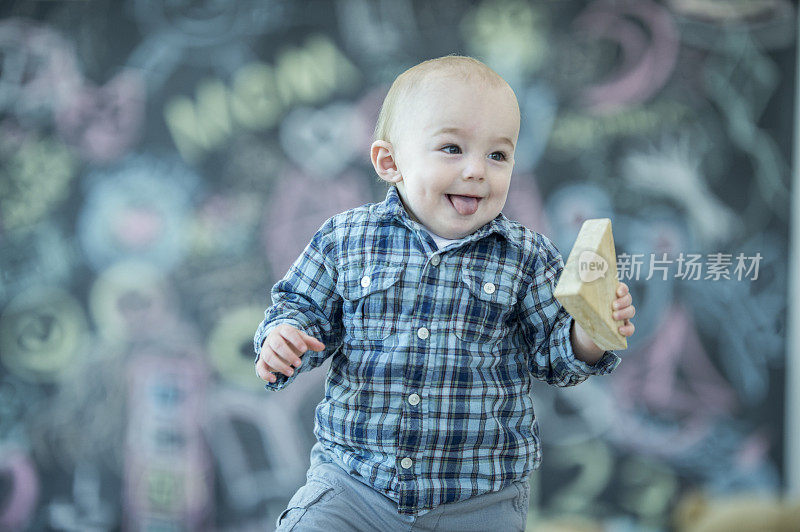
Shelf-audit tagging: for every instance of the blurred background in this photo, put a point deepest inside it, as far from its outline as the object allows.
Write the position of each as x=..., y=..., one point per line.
x=163, y=163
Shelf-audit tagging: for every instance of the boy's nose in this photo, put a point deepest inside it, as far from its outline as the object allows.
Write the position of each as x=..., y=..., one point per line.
x=475, y=168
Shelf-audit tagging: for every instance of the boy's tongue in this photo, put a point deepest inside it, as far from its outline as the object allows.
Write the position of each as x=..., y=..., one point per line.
x=465, y=205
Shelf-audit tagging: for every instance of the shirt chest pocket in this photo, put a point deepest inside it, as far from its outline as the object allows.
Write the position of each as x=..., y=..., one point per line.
x=371, y=301
x=484, y=304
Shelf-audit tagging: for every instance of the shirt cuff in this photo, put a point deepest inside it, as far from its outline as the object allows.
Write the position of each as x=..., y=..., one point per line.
x=605, y=365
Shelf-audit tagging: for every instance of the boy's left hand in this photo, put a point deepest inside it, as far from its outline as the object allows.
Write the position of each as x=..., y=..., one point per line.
x=624, y=309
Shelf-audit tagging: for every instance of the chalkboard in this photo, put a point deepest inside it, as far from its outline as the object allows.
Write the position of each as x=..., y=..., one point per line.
x=163, y=163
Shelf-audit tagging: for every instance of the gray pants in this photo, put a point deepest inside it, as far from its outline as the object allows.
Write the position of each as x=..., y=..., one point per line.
x=333, y=501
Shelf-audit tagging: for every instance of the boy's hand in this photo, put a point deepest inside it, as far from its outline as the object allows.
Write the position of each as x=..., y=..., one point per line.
x=582, y=344
x=624, y=309
x=282, y=348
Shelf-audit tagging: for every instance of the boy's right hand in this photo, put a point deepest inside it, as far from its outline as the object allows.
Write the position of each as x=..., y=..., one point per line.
x=282, y=348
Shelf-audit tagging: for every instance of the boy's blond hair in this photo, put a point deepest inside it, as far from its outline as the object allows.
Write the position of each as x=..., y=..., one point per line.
x=405, y=85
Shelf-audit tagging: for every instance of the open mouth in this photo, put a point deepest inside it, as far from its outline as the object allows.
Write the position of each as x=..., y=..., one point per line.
x=464, y=205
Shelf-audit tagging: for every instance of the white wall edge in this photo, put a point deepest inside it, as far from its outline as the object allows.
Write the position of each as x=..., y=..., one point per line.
x=792, y=419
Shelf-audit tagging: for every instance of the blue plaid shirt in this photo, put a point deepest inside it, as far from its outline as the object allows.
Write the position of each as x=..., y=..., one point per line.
x=433, y=350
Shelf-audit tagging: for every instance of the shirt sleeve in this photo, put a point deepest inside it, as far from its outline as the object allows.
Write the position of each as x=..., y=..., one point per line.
x=545, y=326
x=306, y=298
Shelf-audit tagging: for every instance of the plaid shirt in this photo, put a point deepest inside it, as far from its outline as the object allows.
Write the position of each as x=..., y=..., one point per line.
x=433, y=350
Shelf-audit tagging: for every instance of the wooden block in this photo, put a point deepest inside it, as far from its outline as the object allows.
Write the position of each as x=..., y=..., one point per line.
x=588, y=284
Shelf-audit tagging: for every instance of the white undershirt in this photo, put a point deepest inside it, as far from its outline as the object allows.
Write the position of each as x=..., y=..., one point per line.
x=440, y=242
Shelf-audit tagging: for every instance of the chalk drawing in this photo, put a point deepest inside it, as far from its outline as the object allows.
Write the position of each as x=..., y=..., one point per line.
x=772, y=24
x=167, y=475
x=43, y=332
x=509, y=35
x=320, y=141
x=39, y=71
x=34, y=180
x=21, y=478
x=260, y=94
x=740, y=83
x=137, y=210
x=103, y=123
x=648, y=43
x=130, y=299
x=673, y=172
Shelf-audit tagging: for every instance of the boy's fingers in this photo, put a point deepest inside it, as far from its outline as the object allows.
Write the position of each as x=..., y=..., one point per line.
x=295, y=339
x=627, y=329
x=284, y=348
x=623, y=301
x=264, y=371
x=622, y=289
x=277, y=354
x=626, y=313
x=314, y=344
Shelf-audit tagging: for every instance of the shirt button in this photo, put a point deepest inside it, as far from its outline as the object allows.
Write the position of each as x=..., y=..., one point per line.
x=413, y=399
x=435, y=260
x=488, y=288
x=406, y=462
x=423, y=333
x=365, y=281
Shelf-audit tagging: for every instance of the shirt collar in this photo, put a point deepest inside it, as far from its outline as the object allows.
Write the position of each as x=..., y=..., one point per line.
x=392, y=207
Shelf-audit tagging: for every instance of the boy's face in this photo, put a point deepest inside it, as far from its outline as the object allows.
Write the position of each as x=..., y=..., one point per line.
x=455, y=139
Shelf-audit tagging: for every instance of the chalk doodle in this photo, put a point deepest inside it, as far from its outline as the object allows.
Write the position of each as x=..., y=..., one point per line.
x=43, y=331
x=167, y=478
x=740, y=83
x=34, y=180
x=574, y=131
x=701, y=22
x=263, y=452
x=750, y=333
x=129, y=299
x=593, y=461
x=20, y=477
x=137, y=210
x=261, y=93
x=230, y=346
x=509, y=36
x=103, y=123
x=320, y=141
x=39, y=71
x=648, y=43
x=673, y=172
x=569, y=206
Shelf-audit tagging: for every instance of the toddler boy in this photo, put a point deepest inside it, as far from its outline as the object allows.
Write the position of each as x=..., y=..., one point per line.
x=437, y=311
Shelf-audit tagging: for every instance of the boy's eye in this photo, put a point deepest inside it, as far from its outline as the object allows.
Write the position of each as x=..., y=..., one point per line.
x=455, y=149
x=498, y=156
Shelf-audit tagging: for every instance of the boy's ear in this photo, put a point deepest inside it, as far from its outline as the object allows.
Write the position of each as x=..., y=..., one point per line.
x=383, y=159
